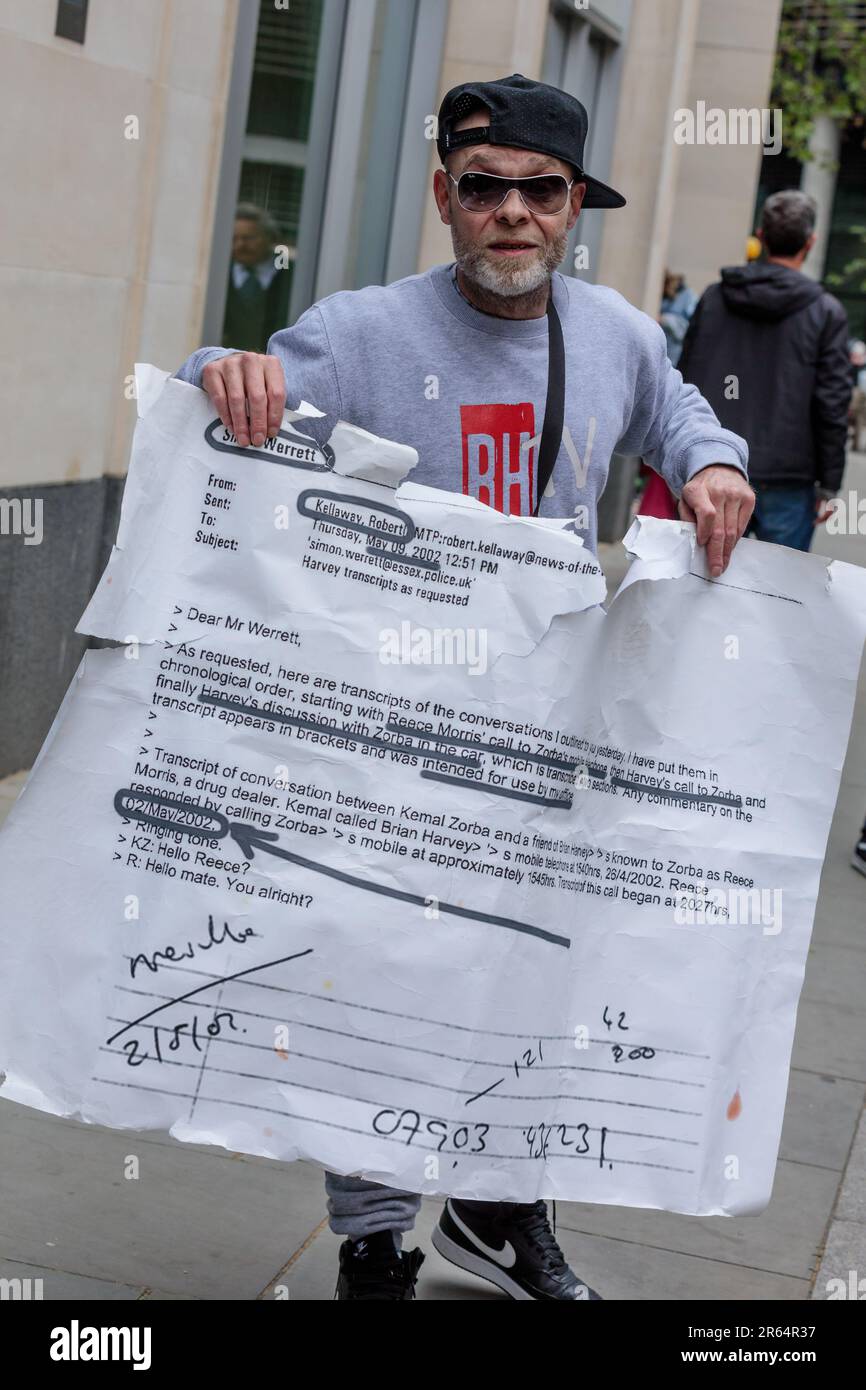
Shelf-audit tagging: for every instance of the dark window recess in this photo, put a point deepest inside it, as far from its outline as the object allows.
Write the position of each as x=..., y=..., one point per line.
x=284, y=70
x=71, y=20
x=778, y=172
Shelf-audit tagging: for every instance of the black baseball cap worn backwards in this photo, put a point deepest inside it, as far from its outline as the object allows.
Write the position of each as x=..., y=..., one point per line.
x=528, y=116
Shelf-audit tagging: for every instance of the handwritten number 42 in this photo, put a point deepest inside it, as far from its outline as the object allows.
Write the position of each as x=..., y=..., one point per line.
x=608, y=1021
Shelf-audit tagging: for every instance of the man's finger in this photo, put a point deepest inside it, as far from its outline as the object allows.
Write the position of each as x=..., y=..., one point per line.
x=705, y=515
x=275, y=385
x=257, y=396
x=710, y=525
x=722, y=531
x=711, y=531
x=716, y=551
x=745, y=515
x=212, y=382
x=731, y=510
x=233, y=377
x=738, y=511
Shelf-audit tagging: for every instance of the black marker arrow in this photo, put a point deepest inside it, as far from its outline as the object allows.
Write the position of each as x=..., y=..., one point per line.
x=251, y=838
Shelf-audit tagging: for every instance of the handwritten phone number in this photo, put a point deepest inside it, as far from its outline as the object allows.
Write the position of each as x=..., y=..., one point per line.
x=566, y=1139
x=469, y=1137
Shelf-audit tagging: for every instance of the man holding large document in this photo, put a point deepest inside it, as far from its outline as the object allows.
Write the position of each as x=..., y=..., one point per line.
x=455, y=362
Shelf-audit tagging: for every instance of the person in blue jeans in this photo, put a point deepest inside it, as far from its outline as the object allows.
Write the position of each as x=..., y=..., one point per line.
x=787, y=515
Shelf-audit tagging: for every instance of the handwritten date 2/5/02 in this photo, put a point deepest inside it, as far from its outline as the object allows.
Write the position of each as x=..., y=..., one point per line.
x=186, y=1031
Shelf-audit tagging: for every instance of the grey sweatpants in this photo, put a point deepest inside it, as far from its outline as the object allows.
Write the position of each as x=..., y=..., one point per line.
x=357, y=1207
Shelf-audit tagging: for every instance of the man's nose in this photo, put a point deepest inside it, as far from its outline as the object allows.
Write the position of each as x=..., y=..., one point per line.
x=513, y=209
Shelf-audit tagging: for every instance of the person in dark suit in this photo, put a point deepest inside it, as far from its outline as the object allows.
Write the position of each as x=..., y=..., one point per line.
x=257, y=303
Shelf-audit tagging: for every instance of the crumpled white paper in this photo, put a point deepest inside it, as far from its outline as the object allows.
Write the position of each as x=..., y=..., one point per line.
x=378, y=842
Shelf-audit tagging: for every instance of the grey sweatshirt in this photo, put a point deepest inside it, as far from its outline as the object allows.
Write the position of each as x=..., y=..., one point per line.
x=415, y=362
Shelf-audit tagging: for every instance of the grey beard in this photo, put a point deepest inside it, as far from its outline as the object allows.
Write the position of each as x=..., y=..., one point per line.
x=508, y=279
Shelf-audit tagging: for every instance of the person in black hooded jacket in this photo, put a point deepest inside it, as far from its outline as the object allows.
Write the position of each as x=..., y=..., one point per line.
x=767, y=347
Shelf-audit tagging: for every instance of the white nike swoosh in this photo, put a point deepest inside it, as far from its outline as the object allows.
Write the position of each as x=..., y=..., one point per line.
x=506, y=1257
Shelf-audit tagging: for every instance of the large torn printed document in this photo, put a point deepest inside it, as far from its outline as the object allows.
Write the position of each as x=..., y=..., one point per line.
x=378, y=842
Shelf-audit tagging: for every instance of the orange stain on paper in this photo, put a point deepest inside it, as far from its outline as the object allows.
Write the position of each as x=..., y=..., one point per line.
x=736, y=1105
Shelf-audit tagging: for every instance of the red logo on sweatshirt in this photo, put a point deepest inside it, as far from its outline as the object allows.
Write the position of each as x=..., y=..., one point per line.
x=498, y=464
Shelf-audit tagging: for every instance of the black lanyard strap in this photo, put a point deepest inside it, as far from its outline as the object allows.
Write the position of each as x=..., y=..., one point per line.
x=554, y=406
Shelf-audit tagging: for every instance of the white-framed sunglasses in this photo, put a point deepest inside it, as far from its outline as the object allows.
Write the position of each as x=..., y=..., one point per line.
x=545, y=194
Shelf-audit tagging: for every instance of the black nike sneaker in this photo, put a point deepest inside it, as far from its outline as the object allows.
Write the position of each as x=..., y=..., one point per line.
x=373, y=1268
x=511, y=1245
x=858, y=858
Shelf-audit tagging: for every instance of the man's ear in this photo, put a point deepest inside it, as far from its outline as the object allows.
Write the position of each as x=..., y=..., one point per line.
x=578, y=193
x=442, y=194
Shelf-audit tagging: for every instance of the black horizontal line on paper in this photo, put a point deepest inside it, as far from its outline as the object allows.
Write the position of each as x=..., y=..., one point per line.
x=413, y=1081
x=405, y=1047
x=370, y=1134
x=395, y=1013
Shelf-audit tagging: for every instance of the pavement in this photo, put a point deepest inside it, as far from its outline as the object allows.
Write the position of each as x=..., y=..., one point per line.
x=199, y=1222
